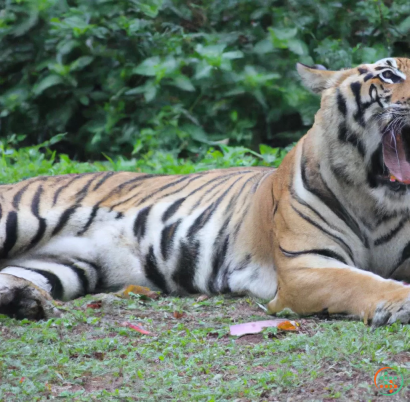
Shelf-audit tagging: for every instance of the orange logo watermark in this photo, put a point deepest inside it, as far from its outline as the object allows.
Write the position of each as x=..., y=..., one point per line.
x=388, y=381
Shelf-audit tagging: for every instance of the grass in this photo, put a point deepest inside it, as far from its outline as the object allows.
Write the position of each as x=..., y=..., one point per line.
x=88, y=355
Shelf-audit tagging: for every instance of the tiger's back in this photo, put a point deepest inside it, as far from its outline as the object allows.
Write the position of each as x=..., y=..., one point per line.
x=78, y=234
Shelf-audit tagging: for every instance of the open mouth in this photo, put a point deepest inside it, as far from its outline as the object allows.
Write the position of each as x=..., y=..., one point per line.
x=396, y=155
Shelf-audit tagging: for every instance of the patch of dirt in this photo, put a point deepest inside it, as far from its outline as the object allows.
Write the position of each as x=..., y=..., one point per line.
x=337, y=384
x=250, y=339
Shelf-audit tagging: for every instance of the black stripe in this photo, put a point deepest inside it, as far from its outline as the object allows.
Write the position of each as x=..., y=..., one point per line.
x=153, y=273
x=129, y=198
x=172, y=209
x=404, y=256
x=200, y=221
x=323, y=252
x=275, y=209
x=167, y=238
x=84, y=191
x=341, y=173
x=89, y=221
x=218, y=260
x=122, y=185
x=206, y=215
x=363, y=70
x=387, y=217
x=101, y=282
x=184, y=274
x=347, y=136
x=82, y=278
x=103, y=180
x=213, y=192
x=42, y=225
x=224, y=178
x=140, y=222
x=113, y=206
x=65, y=216
x=341, y=103
x=53, y=280
x=330, y=200
x=239, y=192
x=305, y=204
x=376, y=167
x=339, y=240
x=374, y=96
x=174, y=183
x=1, y=211
x=60, y=189
x=358, y=116
x=368, y=77
x=195, y=177
x=387, y=237
x=11, y=233
x=18, y=195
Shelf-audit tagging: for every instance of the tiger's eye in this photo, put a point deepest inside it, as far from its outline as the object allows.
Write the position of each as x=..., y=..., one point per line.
x=388, y=74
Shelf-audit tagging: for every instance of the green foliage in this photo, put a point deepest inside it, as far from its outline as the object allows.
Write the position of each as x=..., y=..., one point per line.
x=131, y=76
x=18, y=163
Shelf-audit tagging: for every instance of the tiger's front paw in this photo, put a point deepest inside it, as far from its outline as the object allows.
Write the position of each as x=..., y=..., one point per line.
x=20, y=298
x=388, y=313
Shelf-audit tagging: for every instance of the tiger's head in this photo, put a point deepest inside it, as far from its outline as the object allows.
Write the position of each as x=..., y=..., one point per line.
x=362, y=130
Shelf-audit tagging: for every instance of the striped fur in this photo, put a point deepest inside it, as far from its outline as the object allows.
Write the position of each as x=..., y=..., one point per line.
x=324, y=232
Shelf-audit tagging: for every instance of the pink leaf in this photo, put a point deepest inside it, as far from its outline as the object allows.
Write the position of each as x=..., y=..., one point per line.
x=257, y=326
x=135, y=327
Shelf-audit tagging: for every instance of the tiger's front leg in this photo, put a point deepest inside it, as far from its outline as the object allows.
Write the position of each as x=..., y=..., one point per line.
x=343, y=290
x=20, y=298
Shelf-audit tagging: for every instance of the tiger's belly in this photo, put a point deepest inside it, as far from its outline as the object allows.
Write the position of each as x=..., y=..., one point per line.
x=193, y=251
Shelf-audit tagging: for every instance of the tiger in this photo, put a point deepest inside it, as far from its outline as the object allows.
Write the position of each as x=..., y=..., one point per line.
x=328, y=232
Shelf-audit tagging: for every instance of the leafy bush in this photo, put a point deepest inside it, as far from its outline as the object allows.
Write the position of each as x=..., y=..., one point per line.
x=130, y=76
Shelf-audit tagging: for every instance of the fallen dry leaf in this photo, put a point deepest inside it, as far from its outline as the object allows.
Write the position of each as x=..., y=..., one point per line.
x=99, y=355
x=138, y=290
x=95, y=305
x=202, y=298
x=178, y=314
x=257, y=326
x=135, y=327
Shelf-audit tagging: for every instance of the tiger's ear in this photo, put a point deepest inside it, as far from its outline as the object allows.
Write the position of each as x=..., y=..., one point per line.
x=317, y=78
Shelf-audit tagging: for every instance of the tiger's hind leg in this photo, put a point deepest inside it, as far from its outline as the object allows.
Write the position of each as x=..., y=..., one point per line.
x=20, y=298
x=29, y=285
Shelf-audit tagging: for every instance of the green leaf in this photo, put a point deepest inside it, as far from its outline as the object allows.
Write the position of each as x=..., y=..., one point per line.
x=264, y=46
x=404, y=26
x=203, y=70
x=147, y=67
x=81, y=62
x=285, y=33
x=150, y=7
x=233, y=55
x=184, y=83
x=135, y=91
x=298, y=47
x=195, y=132
x=150, y=92
x=46, y=83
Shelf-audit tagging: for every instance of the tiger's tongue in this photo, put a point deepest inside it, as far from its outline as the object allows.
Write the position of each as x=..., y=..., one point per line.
x=394, y=155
